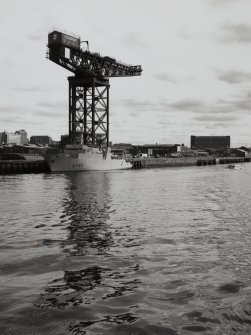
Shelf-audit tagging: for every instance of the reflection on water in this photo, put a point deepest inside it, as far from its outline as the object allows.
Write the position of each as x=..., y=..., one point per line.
x=163, y=251
x=87, y=209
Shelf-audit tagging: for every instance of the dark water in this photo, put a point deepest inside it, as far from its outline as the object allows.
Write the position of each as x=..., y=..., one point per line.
x=161, y=251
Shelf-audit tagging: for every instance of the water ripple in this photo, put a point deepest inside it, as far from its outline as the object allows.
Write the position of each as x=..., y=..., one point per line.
x=162, y=251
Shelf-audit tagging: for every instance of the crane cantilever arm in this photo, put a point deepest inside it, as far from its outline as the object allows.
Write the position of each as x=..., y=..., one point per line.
x=86, y=63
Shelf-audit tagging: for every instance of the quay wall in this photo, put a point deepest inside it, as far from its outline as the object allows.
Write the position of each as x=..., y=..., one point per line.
x=40, y=166
x=23, y=166
x=138, y=163
x=162, y=162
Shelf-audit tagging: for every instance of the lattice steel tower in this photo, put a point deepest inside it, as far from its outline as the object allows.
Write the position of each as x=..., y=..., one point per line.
x=88, y=88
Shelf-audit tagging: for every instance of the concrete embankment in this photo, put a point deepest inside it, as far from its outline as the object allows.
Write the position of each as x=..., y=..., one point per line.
x=39, y=165
x=138, y=163
x=162, y=162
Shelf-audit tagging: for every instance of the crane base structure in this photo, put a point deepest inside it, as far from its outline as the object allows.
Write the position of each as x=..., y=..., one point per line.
x=88, y=88
x=89, y=111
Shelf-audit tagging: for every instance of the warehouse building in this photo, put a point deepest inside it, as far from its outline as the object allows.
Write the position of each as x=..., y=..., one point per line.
x=41, y=140
x=210, y=142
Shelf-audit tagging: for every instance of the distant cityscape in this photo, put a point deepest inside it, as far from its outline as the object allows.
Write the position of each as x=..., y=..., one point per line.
x=18, y=141
x=20, y=137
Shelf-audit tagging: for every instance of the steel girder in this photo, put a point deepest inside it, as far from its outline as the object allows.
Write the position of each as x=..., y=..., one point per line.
x=89, y=111
x=85, y=63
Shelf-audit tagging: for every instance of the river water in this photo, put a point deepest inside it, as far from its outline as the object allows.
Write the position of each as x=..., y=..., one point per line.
x=158, y=251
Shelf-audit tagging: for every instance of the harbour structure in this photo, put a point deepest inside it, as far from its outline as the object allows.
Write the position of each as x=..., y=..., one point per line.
x=15, y=163
x=88, y=104
x=88, y=88
x=144, y=162
x=146, y=150
x=20, y=166
x=156, y=150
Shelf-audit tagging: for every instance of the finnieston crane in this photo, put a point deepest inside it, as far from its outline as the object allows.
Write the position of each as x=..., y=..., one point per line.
x=88, y=88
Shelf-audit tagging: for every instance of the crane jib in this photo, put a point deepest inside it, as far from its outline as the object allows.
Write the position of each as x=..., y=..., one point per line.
x=65, y=51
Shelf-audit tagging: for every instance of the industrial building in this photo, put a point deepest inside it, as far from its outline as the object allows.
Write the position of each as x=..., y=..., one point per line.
x=210, y=142
x=41, y=140
x=240, y=152
x=156, y=150
x=146, y=150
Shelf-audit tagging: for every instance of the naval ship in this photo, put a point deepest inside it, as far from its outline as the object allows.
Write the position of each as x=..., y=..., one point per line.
x=80, y=157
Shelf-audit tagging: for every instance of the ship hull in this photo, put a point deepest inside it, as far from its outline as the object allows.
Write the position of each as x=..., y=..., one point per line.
x=92, y=161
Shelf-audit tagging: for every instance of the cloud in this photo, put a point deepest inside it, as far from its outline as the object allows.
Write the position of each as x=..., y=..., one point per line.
x=165, y=123
x=44, y=104
x=139, y=105
x=52, y=105
x=27, y=89
x=223, y=113
x=244, y=103
x=52, y=109
x=18, y=120
x=221, y=107
x=222, y=2
x=236, y=33
x=165, y=77
x=210, y=117
x=187, y=105
x=134, y=113
x=235, y=77
x=50, y=114
x=38, y=35
x=185, y=34
x=6, y=120
x=222, y=125
x=218, y=110
x=8, y=109
x=133, y=40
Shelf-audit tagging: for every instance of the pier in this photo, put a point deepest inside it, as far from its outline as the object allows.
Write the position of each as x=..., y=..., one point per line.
x=139, y=163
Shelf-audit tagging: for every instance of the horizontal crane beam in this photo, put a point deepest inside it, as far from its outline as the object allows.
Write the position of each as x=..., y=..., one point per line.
x=66, y=52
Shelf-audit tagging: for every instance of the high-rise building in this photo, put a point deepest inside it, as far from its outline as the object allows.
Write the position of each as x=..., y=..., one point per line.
x=23, y=134
x=11, y=138
x=2, y=138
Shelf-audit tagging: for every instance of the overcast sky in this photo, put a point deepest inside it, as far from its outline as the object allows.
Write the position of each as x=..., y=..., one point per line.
x=195, y=54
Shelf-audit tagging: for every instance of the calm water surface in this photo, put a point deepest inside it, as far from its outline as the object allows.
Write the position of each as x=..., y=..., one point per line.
x=160, y=251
